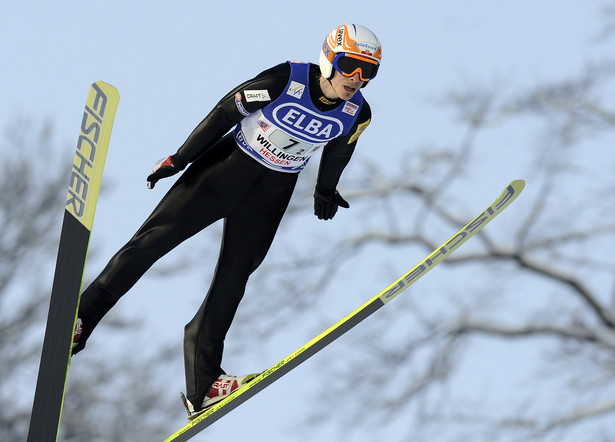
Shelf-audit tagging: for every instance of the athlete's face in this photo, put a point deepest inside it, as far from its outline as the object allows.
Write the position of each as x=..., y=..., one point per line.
x=342, y=87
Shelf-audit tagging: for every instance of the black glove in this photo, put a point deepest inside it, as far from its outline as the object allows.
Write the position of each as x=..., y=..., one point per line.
x=326, y=203
x=165, y=168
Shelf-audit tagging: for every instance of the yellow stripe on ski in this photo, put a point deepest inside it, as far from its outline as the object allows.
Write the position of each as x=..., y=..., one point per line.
x=508, y=196
x=92, y=146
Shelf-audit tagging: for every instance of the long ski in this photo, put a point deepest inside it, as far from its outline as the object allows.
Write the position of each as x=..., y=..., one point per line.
x=80, y=206
x=274, y=373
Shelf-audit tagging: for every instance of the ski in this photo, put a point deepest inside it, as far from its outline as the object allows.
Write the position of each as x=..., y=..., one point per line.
x=80, y=206
x=274, y=373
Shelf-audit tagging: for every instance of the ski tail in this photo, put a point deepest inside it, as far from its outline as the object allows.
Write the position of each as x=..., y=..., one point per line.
x=80, y=206
x=338, y=329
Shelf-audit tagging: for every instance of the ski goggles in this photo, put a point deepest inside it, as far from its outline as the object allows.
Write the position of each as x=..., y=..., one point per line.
x=349, y=64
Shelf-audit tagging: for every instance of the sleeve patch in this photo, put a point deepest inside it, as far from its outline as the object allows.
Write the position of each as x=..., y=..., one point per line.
x=359, y=131
x=242, y=110
x=257, y=95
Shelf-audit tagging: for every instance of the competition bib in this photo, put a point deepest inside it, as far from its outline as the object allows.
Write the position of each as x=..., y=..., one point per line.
x=286, y=132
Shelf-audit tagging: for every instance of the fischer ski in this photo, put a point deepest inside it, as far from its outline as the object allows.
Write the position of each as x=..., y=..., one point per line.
x=212, y=414
x=80, y=206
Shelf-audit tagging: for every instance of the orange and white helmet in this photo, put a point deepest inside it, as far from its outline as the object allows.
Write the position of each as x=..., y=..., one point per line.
x=351, y=49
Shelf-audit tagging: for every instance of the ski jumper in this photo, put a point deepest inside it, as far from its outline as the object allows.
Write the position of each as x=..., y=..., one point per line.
x=245, y=177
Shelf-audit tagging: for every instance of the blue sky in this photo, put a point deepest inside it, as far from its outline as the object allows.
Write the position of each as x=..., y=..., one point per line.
x=172, y=61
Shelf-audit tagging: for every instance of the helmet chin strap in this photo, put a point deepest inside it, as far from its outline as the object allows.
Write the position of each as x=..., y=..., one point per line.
x=331, y=84
x=365, y=83
x=328, y=79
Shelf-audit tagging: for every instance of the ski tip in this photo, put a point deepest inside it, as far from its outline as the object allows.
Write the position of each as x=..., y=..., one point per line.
x=109, y=89
x=518, y=184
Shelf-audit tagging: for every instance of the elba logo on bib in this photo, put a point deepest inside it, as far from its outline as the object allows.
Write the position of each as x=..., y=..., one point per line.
x=350, y=108
x=295, y=89
x=307, y=125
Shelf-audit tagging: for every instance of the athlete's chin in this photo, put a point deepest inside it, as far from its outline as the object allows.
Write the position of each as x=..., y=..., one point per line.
x=348, y=93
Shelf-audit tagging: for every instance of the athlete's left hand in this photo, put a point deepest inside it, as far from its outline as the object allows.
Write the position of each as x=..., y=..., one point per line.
x=326, y=203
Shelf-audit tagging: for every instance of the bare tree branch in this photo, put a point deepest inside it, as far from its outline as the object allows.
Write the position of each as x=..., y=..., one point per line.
x=571, y=331
x=604, y=314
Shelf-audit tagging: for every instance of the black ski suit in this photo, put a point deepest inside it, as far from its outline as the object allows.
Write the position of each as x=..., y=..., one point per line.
x=223, y=182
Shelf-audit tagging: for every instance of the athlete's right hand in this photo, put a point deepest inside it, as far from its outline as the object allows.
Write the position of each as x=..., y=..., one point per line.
x=326, y=203
x=166, y=167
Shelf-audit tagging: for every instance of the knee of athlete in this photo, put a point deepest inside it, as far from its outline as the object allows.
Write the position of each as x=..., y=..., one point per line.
x=191, y=332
